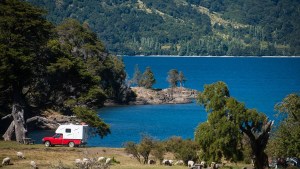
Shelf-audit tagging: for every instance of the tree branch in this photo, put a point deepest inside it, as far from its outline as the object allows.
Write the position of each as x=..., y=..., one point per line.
x=7, y=116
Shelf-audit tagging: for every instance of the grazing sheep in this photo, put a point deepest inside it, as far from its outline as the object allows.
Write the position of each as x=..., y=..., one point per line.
x=101, y=159
x=218, y=165
x=179, y=162
x=86, y=161
x=108, y=161
x=213, y=165
x=33, y=165
x=20, y=155
x=191, y=163
x=78, y=162
x=6, y=161
x=166, y=162
x=151, y=162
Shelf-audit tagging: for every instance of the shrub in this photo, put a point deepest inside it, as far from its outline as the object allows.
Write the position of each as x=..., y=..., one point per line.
x=183, y=149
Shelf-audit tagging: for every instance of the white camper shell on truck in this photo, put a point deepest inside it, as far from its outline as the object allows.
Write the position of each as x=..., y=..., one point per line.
x=68, y=134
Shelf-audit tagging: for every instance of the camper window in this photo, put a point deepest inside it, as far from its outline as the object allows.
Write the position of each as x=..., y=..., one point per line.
x=68, y=130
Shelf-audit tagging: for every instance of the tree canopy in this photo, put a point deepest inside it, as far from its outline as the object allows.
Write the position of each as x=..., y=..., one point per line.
x=147, y=80
x=66, y=69
x=228, y=121
x=286, y=140
x=189, y=27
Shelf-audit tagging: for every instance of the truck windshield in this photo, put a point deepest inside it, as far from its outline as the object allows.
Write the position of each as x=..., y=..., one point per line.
x=56, y=135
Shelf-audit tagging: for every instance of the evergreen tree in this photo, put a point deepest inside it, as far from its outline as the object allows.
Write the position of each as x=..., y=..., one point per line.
x=23, y=35
x=148, y=79
x=173, y=77
x=181, y=79
x=66, y=69
x=136, y=80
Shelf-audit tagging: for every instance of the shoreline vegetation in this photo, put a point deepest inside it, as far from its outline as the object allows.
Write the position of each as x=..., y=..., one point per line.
x=195, y=56
x=178, y=95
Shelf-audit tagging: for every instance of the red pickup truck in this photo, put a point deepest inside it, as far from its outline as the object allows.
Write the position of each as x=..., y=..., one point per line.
x=58, y=139
x=71, y=135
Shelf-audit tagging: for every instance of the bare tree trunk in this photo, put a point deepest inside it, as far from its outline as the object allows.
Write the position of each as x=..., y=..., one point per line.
x=258, y=143
x=7, y=136
x=18, y=116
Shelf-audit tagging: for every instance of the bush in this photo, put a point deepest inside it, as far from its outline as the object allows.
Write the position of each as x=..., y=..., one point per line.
x=183, y=149
x=159, y=151
x=141, y=151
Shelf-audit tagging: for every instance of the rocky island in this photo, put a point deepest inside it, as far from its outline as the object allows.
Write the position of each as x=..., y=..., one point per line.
x=177, y=95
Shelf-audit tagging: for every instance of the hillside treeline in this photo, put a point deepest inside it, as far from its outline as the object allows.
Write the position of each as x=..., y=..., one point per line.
x=187, y=27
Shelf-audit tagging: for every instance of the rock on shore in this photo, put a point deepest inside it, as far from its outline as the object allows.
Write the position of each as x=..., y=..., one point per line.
x=178, y=95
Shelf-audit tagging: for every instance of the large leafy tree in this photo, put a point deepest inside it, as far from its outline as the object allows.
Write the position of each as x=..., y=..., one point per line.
x=23, y=35
x=74, y=76
x=228, y=120
x=65, y=69
x=287, y=136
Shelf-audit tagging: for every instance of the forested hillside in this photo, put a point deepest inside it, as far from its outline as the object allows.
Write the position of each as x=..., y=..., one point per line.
x=187, y=27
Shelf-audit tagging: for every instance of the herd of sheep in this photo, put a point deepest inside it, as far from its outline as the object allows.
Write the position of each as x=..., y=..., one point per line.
x=191, y=164
x=80, y=163
x=20, y=155
x=105, y=162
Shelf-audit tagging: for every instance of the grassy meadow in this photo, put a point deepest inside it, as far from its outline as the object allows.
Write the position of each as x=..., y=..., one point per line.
x=63, y=157
x=52, y=157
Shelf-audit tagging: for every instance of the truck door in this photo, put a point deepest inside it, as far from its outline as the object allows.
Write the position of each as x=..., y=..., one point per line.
x=57, y=138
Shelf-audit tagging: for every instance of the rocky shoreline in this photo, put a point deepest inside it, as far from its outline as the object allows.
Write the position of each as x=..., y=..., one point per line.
x=178, y=95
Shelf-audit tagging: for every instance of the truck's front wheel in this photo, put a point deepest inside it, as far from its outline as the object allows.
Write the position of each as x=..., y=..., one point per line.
x=71, y=144
x=47, y=144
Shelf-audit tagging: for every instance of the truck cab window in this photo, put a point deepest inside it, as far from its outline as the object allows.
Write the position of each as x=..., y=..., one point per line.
x=68, y=130
x=56, y=136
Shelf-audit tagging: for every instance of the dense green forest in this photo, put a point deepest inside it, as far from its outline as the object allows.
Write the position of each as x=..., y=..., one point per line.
x=187, y=27
x=65, y=68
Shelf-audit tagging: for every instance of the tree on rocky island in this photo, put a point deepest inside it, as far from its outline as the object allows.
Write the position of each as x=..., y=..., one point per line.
x=173, y=78
x=181, y=79
x=228, y=121
x=148, y=79
x=136, y=80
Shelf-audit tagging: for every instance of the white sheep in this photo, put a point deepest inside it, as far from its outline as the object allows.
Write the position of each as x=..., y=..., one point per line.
x=78, y=162
x=6, y=161
x=101, y=159
x=213, y=165
x=191, y=163
x=108, y=161
x=218, y=165
x=86, y=161
x=33, y=165
x=179, y=162
x=20, y=155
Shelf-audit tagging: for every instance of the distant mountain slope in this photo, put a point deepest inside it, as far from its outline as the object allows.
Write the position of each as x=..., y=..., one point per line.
x=187, y=27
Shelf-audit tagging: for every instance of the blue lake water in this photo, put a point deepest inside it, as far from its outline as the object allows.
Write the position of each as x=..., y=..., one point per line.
x=258, y=82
